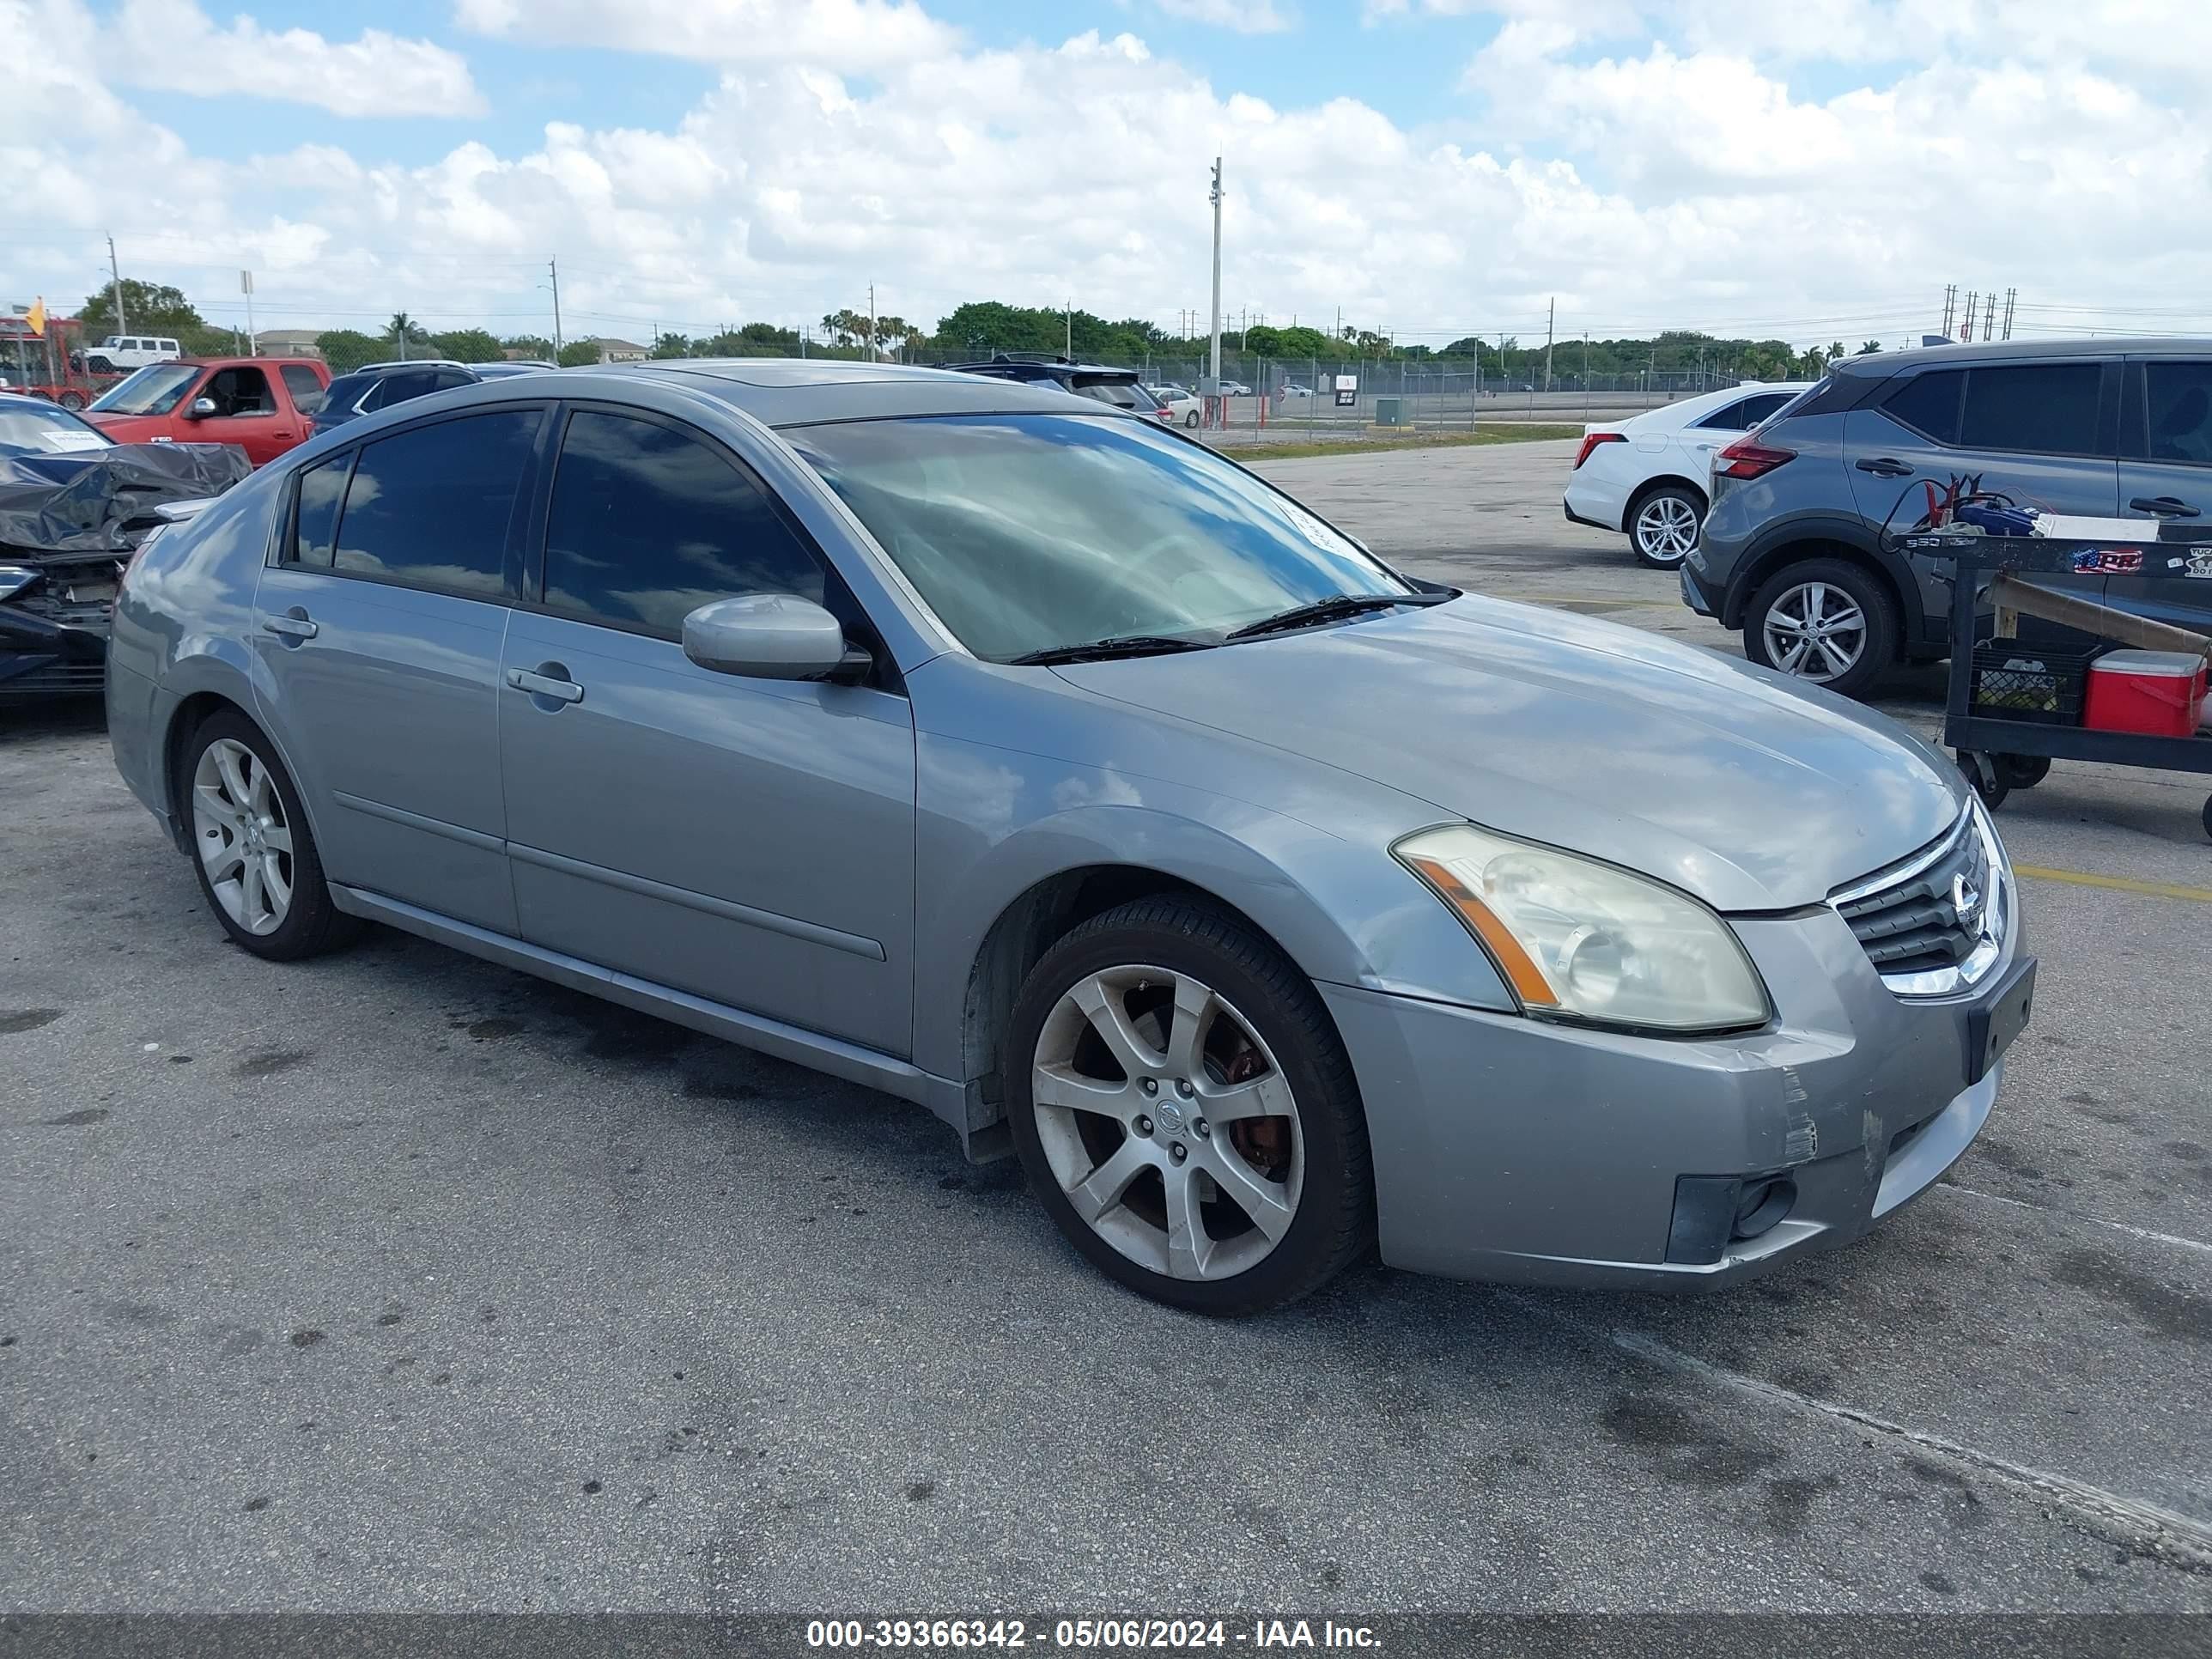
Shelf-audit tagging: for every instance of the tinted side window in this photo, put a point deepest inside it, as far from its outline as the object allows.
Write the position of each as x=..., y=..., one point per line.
x=2180, y=411
x=398, y=388
x=1929, y=403
x=447, y=378
x=1757, y=408
x=1729, y=417
x=307, y=391
x=240, y=392
x=429, y=508
x=2040, y=407
x=648, y=523
x=315, y=525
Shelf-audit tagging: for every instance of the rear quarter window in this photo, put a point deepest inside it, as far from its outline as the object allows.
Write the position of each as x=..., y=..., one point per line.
x=1929, y=403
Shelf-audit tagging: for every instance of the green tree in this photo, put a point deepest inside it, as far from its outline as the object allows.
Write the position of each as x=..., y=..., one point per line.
x=146, y=306
x=346, y=349
x=892, y=333
x=578, y=353
x=1303, y=342
x=466, y=345
x=1268, y=342
x=530, y=345
x=1868, y=348
x=672, y=345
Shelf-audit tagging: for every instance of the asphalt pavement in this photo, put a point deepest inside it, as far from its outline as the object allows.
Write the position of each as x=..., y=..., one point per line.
x=396, y=1280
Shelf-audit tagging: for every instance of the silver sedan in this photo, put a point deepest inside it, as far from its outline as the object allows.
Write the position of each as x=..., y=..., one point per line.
x=1038, y=765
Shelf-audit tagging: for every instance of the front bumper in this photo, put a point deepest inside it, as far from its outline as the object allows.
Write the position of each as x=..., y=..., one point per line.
x=1510, y=1150
x=38, y=659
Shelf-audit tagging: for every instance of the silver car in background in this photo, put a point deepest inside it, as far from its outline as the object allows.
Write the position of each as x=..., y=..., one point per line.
x=1036, y=764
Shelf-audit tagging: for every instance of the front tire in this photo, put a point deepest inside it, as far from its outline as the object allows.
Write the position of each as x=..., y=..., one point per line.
x=71, y=400
x=1191, y=420
x=1662, y=527
x=1185, y=1112
x=255, y=855
x=1825, y=621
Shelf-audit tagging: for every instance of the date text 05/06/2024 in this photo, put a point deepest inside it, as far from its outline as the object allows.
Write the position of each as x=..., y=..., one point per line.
x=1086, y=1634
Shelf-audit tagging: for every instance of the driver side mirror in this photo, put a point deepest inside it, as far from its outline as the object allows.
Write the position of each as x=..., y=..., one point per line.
x=773, y=637
x=201, y=409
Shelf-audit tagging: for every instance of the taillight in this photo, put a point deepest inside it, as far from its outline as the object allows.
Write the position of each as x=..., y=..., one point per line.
x=1745, y=460
x=1591, y=440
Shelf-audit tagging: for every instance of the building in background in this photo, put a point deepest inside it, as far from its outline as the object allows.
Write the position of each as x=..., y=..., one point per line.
x=620, y=351
x=288, y=343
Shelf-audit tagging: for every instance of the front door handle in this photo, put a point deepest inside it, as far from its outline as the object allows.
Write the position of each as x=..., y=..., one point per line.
x=293, y=626
x=2163, y=507
x=539, y=684
x=1883, y=467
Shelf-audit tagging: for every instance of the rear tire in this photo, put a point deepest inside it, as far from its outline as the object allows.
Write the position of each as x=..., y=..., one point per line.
x=1262, y=1201
x=1826, y=622
x=252, y=848
x=71, y=400
x=1662, y=526
x=1191, y=420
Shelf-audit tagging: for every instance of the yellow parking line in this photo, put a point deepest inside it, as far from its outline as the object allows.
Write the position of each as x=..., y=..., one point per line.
x=2116, y=884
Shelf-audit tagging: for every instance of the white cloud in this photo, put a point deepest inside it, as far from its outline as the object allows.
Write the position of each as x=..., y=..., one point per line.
x=173, y=45
x=1644, y=183
x=1244, y=16
x=855, y=36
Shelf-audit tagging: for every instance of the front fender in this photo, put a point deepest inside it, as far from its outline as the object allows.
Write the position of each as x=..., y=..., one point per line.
x=1773, y=548
x=995, y=824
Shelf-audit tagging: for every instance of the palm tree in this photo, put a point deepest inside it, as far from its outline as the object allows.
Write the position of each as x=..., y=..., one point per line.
x=401, y=326
x=893, y=331
x=1835, y=351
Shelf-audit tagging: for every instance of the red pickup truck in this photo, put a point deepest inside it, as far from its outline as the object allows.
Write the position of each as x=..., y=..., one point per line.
x=263, y=405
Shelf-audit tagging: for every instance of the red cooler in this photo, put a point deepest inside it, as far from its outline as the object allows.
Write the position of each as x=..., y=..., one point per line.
x=2158, y=692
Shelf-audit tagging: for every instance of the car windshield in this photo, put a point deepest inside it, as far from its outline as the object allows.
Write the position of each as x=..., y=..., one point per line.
x=152, y=390
x=27, y=428
x=1036, y=532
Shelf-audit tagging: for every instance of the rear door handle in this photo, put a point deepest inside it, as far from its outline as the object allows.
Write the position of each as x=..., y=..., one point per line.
x=544, y=685
x=1883, y=467
x=293, y=627
x=2163, y=507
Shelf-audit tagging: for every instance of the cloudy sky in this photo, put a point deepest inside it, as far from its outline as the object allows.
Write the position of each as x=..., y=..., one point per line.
x=1802, y=169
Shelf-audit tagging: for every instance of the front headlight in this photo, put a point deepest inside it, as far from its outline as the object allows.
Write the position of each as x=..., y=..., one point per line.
x=1577, y=939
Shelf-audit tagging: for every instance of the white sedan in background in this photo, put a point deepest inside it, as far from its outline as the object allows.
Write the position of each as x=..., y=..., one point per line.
x=1182, y=406
x=1648, y=476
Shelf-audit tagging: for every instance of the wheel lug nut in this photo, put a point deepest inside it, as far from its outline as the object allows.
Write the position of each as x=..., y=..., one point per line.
x=1202, y=1128
x=1151, y=1087
x=1144, y=1125
x=1182, y=1087
x=1177, y=1152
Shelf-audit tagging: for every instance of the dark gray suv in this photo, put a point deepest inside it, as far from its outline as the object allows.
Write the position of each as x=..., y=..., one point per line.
x=1790, y=551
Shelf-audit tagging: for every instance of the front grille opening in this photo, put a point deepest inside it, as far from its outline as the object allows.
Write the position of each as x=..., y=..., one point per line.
x=1932, y=918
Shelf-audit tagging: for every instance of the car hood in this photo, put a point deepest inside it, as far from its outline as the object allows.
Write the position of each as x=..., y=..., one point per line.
x=1720, y=778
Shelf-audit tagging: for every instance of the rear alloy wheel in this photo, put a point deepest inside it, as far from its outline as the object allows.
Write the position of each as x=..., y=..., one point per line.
x=1185, y=1112
x=71, y=400
x=1826, y=622
x=1191, y=419
x=250, y=844
x=1664, y=530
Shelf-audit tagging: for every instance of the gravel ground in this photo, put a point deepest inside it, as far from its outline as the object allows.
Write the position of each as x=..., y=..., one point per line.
x=399, y=1281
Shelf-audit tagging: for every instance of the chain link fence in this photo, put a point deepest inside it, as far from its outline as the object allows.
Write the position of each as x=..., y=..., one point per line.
x=1295, y=398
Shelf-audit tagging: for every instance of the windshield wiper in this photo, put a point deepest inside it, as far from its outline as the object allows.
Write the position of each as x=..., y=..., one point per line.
x=1328, y=609
x=1123, y=645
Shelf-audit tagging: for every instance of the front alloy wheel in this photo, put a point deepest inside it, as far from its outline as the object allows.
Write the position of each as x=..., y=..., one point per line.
x=1185, y=1110
x=1169, y=1129
x=1664, y=531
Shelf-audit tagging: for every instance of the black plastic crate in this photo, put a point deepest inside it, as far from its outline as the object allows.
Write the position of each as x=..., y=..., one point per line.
x=2015, y=681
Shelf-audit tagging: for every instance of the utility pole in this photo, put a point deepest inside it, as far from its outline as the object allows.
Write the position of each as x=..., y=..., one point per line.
x=1068, y=316
x=246, y=287
x=873, y=355
x=1551, y=316
x=2011, y=295
x=1966, y=332
x=1989, y=317
x=1215, y=370
x=554, y=267
x=1950, y=307
x=122, y=326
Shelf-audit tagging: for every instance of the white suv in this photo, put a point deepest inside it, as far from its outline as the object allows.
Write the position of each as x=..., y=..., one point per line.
x=1648, y=476
x=125, y=352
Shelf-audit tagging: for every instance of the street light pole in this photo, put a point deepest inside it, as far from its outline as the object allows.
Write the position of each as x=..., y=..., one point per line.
x=1215, y=371
x=116, y=271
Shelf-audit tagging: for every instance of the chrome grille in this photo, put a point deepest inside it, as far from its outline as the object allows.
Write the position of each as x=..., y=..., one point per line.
x=1934, y=922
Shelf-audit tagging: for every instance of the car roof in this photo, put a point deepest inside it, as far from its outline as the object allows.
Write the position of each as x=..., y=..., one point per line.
x=1885, y=363
x=798, y=391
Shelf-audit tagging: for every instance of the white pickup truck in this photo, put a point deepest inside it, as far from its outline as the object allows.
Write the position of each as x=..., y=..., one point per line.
x=125, y=352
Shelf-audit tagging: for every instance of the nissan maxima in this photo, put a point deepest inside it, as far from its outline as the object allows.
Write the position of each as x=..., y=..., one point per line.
x=1036, y=763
